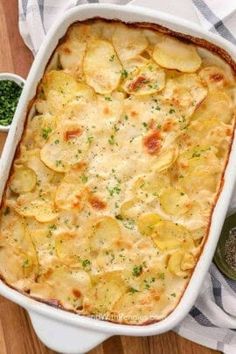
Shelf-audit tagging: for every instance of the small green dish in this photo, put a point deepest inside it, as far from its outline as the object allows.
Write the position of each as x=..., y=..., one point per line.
x=225, y=255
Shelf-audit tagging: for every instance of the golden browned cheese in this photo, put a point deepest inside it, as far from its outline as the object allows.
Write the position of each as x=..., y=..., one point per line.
x=110, y=196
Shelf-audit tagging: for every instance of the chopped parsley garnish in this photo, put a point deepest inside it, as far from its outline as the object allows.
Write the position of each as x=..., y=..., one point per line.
x=58, y=163
x=171, y=111
x=111, y=140
x=119, y=217
x=86, y=263
x=112, y=58
x=196, y=154
x=161, y=276
x=53, y=227
x=90, y=139
x=46, y=132
x=124, y=74
x=9, y=96
x=84, y=178
x=129, y=224
x=114, y=190
x=145, y=125
x=173, y=294
x=133, y=290
x=137, y=270
x=56, y=141
x=25, y=263
x=107, y=98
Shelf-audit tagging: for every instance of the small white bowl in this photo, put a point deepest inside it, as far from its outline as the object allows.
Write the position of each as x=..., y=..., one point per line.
x=19, y=81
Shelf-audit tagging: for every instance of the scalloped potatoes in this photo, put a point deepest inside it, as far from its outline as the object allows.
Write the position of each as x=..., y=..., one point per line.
x=110, y=196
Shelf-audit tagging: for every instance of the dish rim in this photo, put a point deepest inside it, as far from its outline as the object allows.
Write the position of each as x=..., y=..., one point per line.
x=193, y=287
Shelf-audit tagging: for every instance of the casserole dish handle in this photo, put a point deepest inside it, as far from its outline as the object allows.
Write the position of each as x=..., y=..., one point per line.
x=65, y=338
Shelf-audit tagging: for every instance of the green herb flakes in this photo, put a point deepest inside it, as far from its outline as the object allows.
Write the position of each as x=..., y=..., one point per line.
x=137, y=271
x=9, y=96
x=46, y=132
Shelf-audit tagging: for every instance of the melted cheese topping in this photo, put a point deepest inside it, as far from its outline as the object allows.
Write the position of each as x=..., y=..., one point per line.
x=111, y=194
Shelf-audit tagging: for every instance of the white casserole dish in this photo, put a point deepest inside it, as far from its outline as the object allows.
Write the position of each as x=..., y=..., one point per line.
x=71, y=333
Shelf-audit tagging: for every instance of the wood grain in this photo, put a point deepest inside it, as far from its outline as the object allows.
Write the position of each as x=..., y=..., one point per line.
x=16, y=333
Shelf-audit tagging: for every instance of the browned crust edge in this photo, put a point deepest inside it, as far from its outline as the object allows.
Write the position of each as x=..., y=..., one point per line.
x=200, y=42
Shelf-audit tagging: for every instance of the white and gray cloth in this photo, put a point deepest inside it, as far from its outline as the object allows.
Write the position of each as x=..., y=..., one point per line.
x=212, y=320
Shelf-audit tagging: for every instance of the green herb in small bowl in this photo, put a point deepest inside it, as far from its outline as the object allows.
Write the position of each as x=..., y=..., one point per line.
x=10, y=90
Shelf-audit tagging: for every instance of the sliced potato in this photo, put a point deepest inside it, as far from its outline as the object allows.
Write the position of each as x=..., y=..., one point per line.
x=60, y=88
x=101, y=66
x=15, y=238
x=44, y=174
x=71, y=52
x=146, y=223
x=104, y=233
x=171, y=53
x=70, y=196
x=165, y=159
x=42, y=236
x=41, y=207
x=137, y=307
x=168, y=236
x=185, y=93
x=16, y=265
x=188, y=261
x=197, y=156
x=128, y=42
x=174, y=264
x=217, y=105
x=215, y=77
x=59, y=81
x=199, y=129
x=145, y=80
x=131, y=208
x=111, y=109
x=71, y=55
x=65, y=244
x=12, y=229
x=65, y=148
x=69, y=285
x=152, y=183
x=106, y=290
x=23, y=180
x=174, y=201
x=207, y=180
x=134, y=64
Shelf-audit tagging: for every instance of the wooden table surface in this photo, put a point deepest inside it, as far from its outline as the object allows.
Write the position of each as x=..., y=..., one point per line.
x=16, y=333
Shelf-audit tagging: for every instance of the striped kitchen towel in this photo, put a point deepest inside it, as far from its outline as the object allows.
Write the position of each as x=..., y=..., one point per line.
x=212, y=320
x=218, y=16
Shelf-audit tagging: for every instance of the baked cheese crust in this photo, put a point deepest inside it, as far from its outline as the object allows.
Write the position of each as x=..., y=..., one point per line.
x=111, y=192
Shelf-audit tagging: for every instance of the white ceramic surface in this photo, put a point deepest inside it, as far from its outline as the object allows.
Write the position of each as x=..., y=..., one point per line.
x=64, y=331
x=19, y=81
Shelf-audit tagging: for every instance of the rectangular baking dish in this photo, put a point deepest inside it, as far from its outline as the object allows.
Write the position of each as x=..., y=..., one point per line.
x=63, y=331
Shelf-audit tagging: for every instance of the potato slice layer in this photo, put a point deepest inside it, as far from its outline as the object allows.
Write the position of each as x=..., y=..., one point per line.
x=104, y=233
x=171, y=53
x=145, y=81
x=146, y=223
x=168, y=236
x=174, y=201
x=101, y=66
x=23, y=180
x=128, y=42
